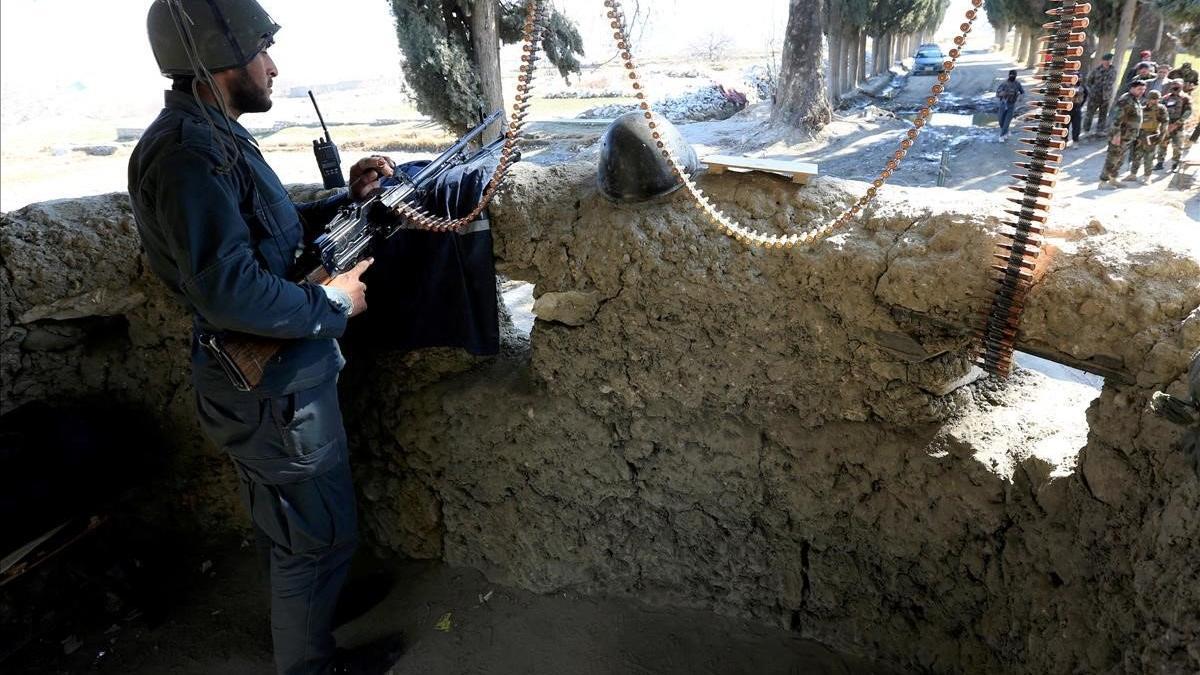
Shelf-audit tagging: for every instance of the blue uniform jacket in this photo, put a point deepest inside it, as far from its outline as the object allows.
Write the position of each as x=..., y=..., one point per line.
x=225, y=243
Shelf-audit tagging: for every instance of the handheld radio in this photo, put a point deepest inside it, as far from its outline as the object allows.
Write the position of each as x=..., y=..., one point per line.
x=328, y=160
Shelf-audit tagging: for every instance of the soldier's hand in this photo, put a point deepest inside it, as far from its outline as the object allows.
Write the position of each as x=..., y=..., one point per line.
x=366, y=173
x=348, y=282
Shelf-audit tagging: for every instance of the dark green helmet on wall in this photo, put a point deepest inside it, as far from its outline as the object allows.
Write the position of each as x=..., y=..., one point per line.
x=227, y=33
x=631, y=168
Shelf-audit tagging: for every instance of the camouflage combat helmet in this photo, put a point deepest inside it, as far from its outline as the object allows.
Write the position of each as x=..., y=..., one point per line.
x=632, y=168
x=1154, y=93
x=227, y=33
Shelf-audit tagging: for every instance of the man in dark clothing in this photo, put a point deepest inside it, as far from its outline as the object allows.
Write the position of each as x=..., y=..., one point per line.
x=1142, y=71
x=1077, y=103
x=220, y=230
x=1008, y=94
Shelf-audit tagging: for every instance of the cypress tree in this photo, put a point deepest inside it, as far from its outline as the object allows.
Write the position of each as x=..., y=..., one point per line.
x=441, y=66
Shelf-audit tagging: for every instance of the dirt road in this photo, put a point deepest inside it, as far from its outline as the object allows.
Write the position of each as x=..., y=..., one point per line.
x=977, y=73
x=859, y=141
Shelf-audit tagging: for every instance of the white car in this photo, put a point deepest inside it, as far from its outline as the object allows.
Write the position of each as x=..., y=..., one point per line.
x=929, y=59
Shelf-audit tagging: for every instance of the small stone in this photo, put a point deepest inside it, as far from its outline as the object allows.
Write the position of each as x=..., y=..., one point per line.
x=573, y=308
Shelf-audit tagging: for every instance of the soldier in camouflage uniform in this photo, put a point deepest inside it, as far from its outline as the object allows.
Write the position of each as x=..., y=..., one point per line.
x=1179, y=109
x=1126, y=124
x=1099, y=85
x=1154, y=122
x=1186, y=73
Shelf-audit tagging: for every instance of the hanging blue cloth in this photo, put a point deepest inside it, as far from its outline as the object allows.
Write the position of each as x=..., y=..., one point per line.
x=430, y=289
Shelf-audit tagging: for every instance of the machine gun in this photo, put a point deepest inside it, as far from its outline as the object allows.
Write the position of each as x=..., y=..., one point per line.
x=350, y=237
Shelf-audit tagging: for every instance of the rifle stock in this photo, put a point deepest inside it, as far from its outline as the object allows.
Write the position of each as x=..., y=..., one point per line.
x=248, y=355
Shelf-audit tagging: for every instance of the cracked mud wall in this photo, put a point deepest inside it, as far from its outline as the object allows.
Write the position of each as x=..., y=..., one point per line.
x=759, y=433
x=84, y=320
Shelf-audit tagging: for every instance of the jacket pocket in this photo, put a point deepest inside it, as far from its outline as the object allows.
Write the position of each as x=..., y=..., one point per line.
x=308, y=420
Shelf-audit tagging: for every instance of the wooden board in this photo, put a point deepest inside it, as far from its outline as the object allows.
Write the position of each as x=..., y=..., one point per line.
x=799, y=172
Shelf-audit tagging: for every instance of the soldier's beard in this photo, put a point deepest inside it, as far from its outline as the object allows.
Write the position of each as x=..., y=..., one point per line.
x=246, y=95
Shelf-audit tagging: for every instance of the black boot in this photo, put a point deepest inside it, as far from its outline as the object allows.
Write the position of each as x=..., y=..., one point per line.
x=377, y=657
x=363, y=590
x=1174, y=166
x=1158, y=166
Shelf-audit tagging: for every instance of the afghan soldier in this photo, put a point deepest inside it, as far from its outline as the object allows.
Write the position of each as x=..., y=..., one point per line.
x=1179, y=109
x=1126, y=125
x=1154, y=122
x=1099, y=85
x=1186, y=73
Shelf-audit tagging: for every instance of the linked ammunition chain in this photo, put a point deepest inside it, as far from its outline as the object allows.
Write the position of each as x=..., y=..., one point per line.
x=729, y=225
x=1018, y=253
x=532, y=31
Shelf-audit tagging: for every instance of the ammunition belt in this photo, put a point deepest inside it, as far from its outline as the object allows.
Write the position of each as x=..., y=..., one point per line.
x=1019, y=251
x=1018, y=254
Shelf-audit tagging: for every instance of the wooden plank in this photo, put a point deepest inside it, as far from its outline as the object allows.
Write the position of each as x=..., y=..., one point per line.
x=798, y=171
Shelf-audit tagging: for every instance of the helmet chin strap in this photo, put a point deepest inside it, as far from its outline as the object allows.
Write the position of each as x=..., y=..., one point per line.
x=230, y=149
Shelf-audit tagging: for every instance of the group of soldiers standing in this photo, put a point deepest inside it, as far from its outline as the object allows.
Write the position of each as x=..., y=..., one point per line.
x=1148, y=116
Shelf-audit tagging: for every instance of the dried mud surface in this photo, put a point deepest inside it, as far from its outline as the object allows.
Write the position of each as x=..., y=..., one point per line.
x=773, y=435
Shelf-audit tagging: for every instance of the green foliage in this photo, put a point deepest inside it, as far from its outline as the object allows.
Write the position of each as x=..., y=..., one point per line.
x=561, y=41
x=878, y=17
x=440, y=66
x=1183, y=17
x=903, y=16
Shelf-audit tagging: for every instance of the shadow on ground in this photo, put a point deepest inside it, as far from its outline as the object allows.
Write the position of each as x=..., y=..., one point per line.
x=453, y=620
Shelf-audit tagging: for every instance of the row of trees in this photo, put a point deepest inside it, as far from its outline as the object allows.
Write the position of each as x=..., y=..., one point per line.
x=1162, y=26
x=1117, y=26
x=895, y=27
x=451, y=47
x=451, y=50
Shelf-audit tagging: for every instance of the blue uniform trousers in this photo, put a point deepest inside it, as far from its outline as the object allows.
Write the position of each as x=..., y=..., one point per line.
x=290, y=452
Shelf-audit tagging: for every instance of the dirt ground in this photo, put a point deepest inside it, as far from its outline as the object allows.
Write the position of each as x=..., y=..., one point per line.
x=452, y=620
x=865, y=132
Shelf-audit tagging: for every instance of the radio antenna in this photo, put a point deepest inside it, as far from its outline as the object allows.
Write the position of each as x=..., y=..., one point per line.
x=321, y=119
